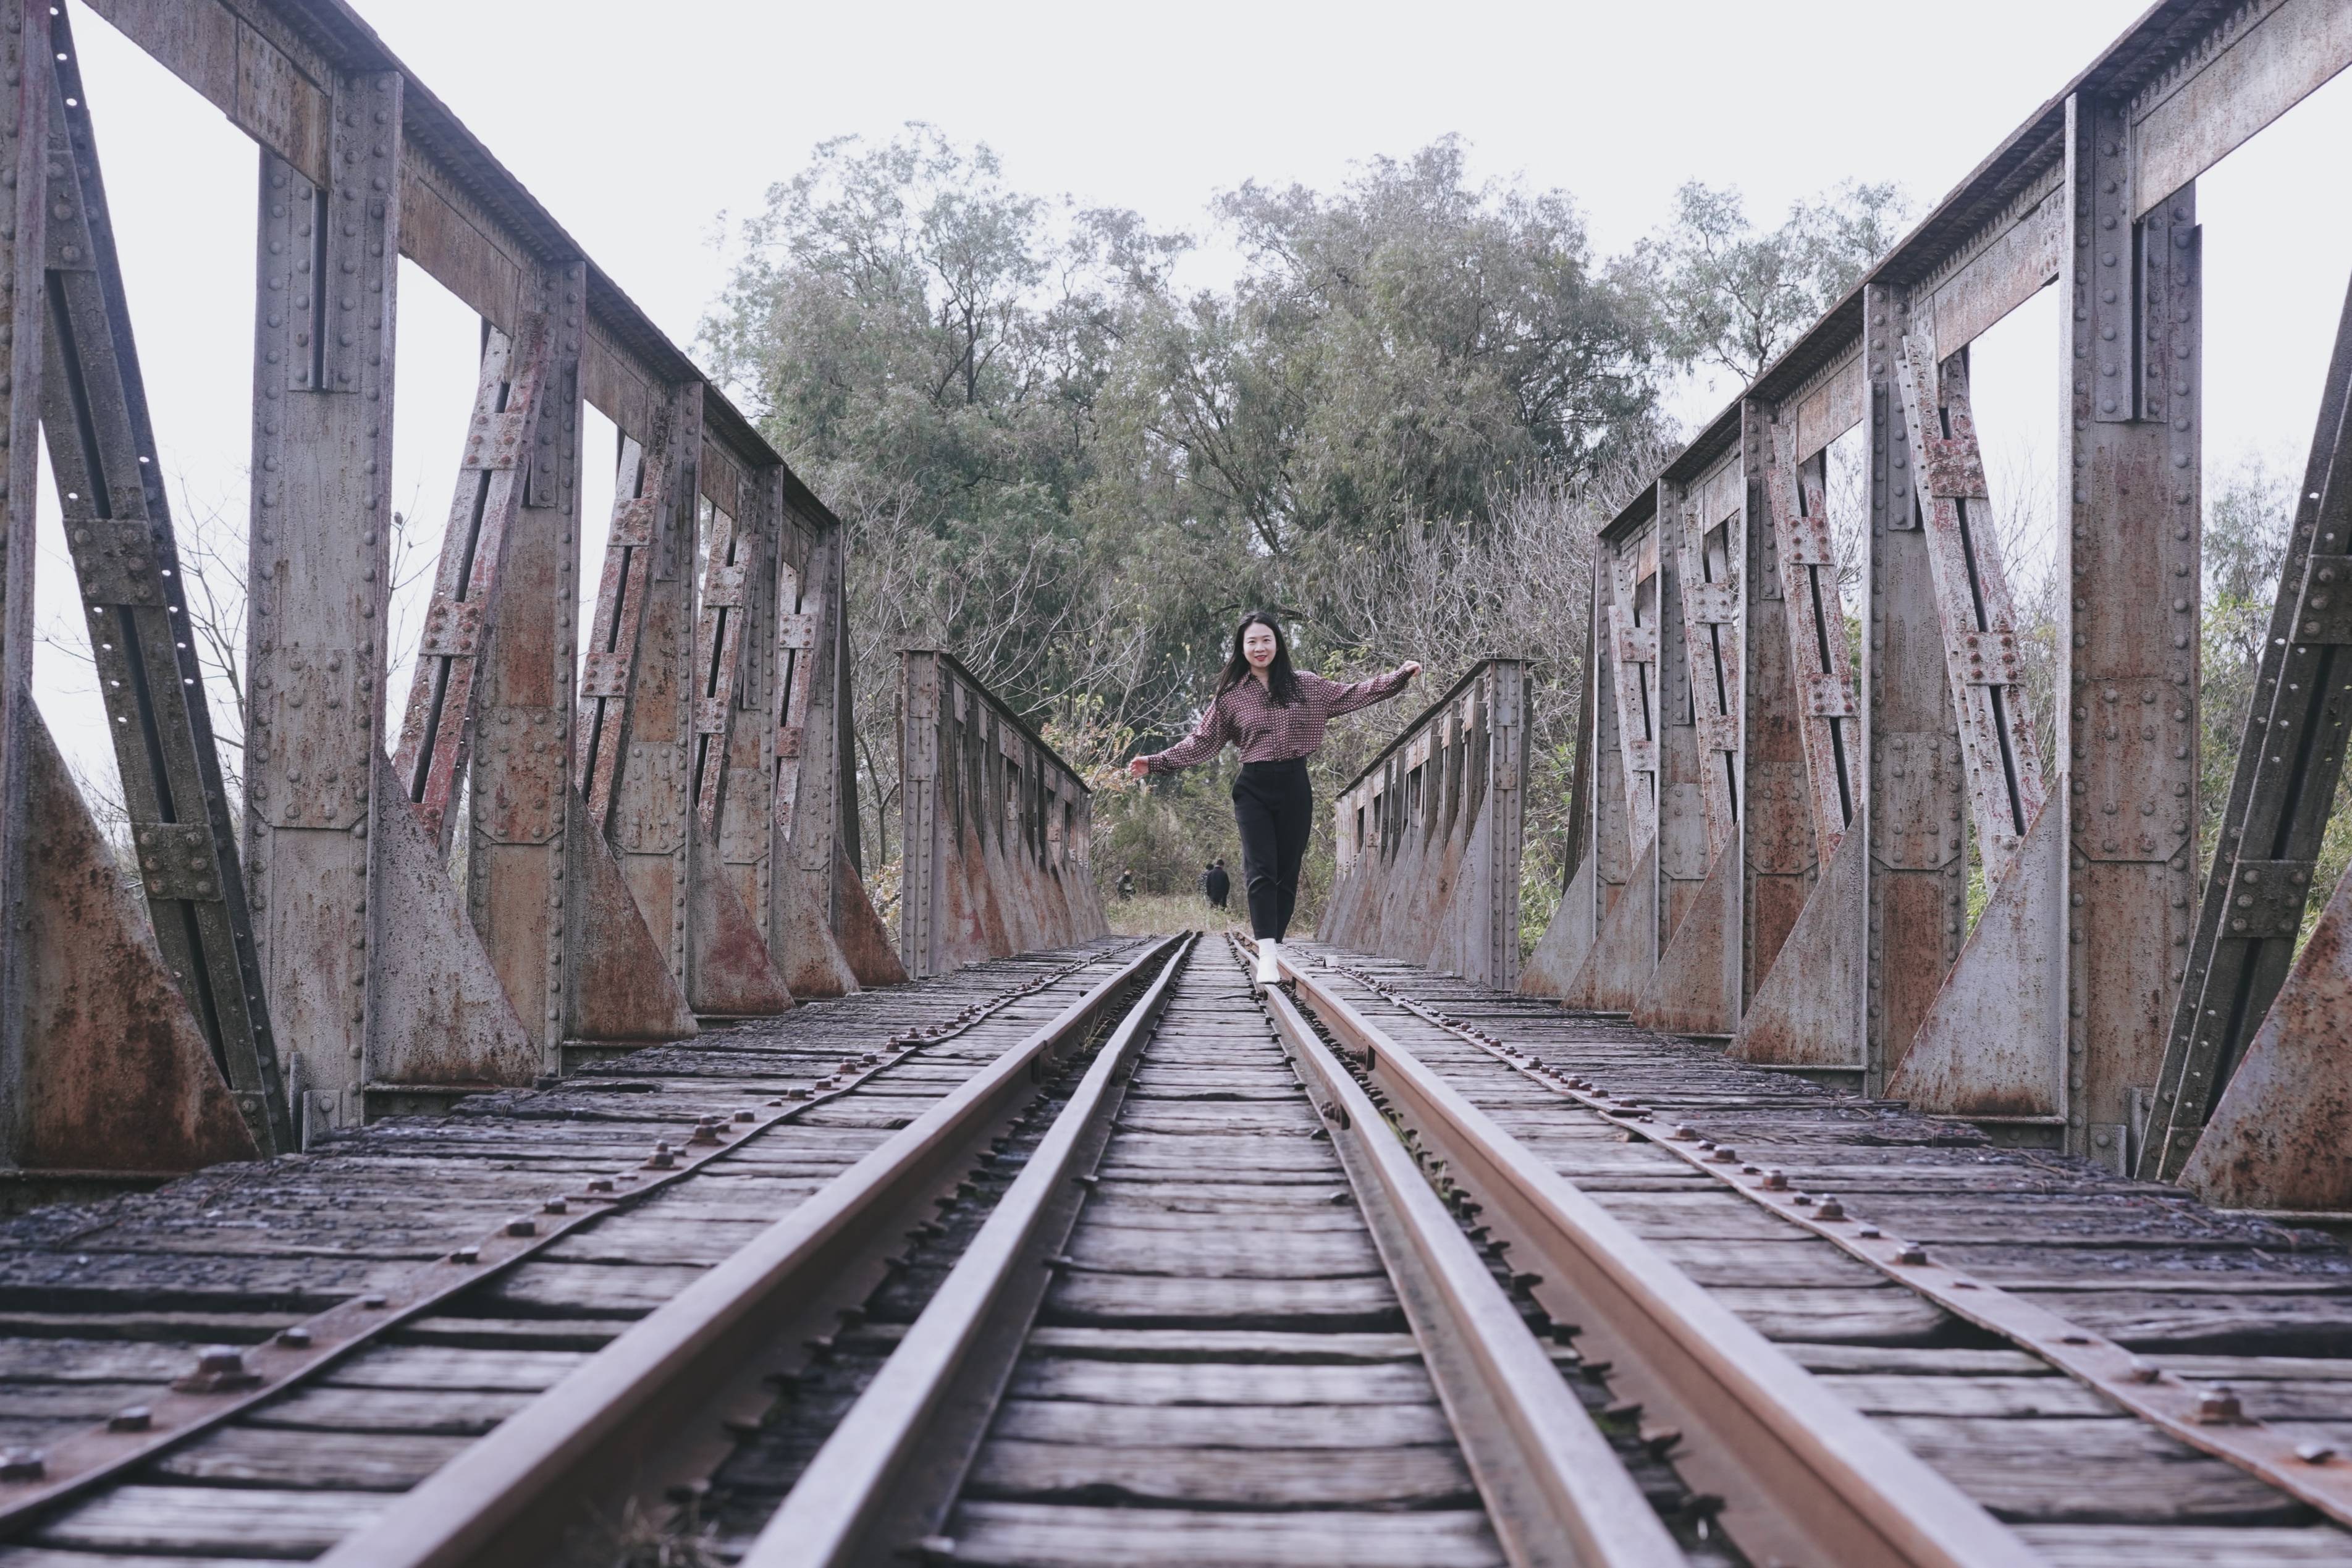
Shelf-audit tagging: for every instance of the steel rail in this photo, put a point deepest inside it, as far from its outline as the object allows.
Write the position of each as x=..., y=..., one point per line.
x=1810, y=1478
x=226, y=1380
x=596, y=1434
x=870, y=1482
x=2207, y=1416
x=1556, y=1492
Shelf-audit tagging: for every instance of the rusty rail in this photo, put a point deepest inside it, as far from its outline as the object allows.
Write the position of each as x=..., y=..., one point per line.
x=1833, y=1489
x=537, y=1475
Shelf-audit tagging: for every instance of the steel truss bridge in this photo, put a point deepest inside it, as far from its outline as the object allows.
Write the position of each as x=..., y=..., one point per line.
x=517, y=1138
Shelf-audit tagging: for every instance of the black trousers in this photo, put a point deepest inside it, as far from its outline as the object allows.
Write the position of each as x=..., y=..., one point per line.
x=1273, y=806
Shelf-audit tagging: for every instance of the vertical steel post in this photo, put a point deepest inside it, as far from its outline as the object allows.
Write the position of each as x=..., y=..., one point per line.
x=319, y=544
x=1684, y=824
x=1918, y=868
x=2129, y=668
x=24, y=144
x=522, y=819
x=1776, y=824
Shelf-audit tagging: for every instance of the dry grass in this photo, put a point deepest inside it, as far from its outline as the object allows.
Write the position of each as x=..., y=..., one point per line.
x=1147, y=913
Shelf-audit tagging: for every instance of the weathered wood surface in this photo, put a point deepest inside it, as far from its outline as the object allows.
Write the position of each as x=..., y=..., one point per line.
x=2220, y=1298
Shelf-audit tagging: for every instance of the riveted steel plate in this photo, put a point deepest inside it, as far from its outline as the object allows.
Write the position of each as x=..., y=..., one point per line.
x=2323, y=612
x=114, y=558
x=1719, y=731
x=797, y=631
x=722, y=587
x=652, y=816
x=2267, y=899
x=710, y=715
x=1918, y=813
x=1985, y=659
x=1637, y=644
x=515, y=778
x=1826, y=694
x=632, y=521
x=311, y=719
x=453, y=628
x=1712, y=604
x=1954, y=470
x=176, y=860
x=605, y=675
x=2128, y=733
x=496, y=442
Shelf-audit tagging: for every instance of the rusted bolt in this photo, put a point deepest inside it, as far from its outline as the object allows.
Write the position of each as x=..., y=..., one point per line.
x=1802, y=1200
x=1829, y=1208
x=22, y=1464
x=705, y=1130
x=1868, y=1232
x=661, y=1159
x=796, y=1092
x=1681, y=1132
x=137, y=1418
x=2143, y=1371
x=2219, y=1405
x=869, y=1058
x=1724, y=1154
x=555, y=1206
x=294, y=1338
x=747, y=1115
x=1776, y=1180
x=600, y=1184
x=466, y=1255
x=1912, y=1253
x=2314, y=1453
x=522, y=1227
x=218, y=1370
x=848, y=1065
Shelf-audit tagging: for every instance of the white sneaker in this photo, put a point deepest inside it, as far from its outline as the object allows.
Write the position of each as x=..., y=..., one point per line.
x=1270, y=973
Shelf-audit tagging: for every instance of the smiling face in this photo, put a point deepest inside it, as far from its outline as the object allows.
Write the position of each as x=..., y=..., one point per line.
x=1258, y=644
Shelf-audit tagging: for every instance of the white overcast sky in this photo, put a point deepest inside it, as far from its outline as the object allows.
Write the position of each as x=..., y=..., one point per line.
x=638, y=127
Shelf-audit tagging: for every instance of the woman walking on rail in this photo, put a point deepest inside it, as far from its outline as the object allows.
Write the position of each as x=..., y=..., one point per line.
x=1275, y=715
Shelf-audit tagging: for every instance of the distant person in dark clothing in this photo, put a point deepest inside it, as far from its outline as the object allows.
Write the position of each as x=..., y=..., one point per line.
x=1216, y=884
x=1127, y=884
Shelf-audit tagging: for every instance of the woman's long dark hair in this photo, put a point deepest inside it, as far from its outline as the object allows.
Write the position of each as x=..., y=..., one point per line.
x=1281, y=680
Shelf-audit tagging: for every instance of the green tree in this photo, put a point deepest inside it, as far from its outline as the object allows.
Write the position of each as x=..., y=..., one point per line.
x=1390, y=352
x=1731, y=296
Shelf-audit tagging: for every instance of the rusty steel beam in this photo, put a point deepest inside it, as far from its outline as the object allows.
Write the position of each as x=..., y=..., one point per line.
x=118, y=528
x=319, y=576
x=1430, y=835
x=729, y=970
x=824, y=929
x=1915, y=902
x=444, y=689
x=1776, y=829
x=1551, y=968
x=996, y=828
x=2129, y=660
x=2289, y=760
x=1624, y=946
x=2002, y=764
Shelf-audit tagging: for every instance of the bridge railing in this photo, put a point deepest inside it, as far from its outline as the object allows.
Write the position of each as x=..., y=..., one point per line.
x=1775, y=847
x=1430, y=834
x=667, y=832
x=998, y=829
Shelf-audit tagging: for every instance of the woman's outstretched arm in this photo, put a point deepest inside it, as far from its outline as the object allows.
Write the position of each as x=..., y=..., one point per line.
x=1346, y=697
x=1207, y=739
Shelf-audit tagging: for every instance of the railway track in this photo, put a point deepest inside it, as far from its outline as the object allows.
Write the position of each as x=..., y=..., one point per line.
x=1105, y=1258
x=252, y=1363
